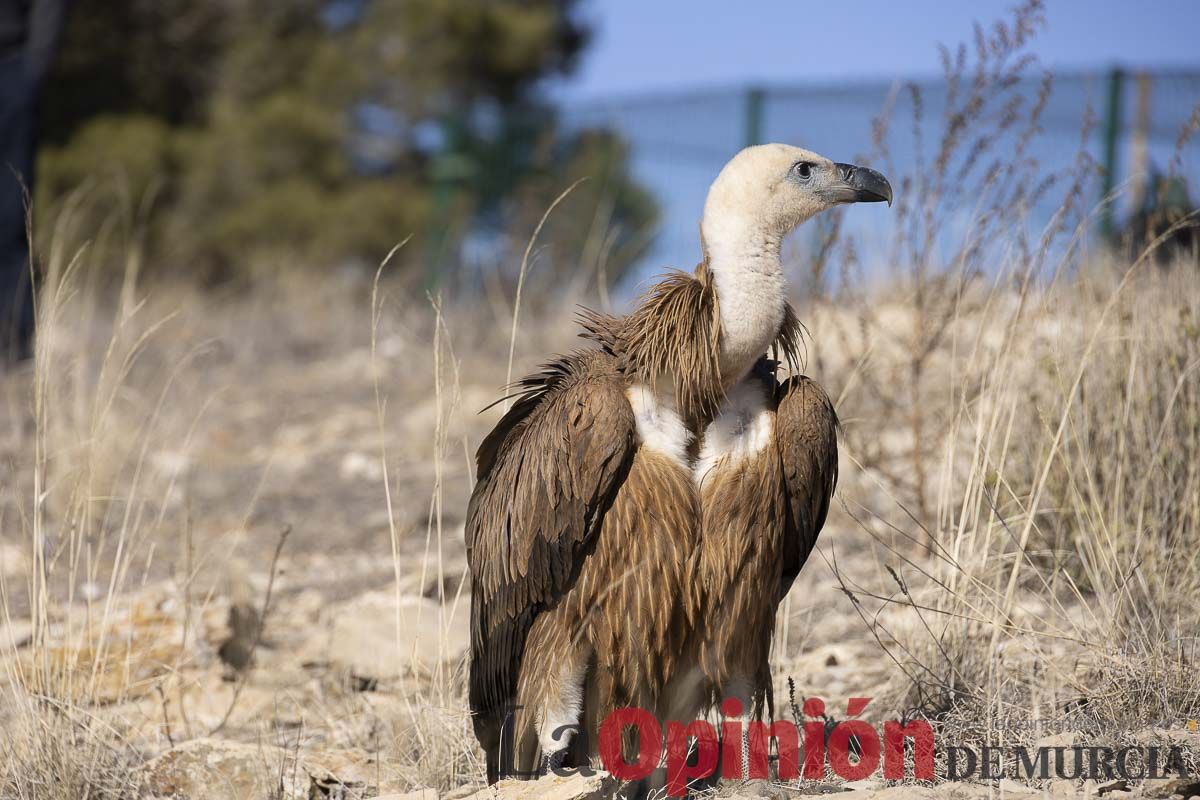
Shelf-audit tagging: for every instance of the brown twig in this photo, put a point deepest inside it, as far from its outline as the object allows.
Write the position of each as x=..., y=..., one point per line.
x=166, y=718
x=262, y=621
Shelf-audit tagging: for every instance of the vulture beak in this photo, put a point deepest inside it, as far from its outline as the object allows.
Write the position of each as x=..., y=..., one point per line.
x=859, y=185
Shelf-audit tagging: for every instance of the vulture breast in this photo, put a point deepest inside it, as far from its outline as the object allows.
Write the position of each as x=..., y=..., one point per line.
x=740, y=486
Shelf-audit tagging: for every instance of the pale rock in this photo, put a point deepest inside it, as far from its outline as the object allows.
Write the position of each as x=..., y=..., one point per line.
x=1183, y=787
x=961, y=791
x=356, y=466
x=15, y=635
x=214, y=770
x=121, y=657
x=14, y=559
x=416, y=794
x=377, y=635
x=957, y=791
x=347, y=772
x=552, y=787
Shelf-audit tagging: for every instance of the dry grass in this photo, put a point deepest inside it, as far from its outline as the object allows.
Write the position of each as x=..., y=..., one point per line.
x=1026, y=413
x=163, y=438
x=1062, y=584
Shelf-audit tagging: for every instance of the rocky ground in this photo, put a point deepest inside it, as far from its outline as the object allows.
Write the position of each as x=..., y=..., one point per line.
x=276, y=461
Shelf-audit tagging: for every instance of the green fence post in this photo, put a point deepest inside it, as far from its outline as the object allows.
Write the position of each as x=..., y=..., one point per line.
x=440, y=227
x=754, y=115
x=1112, y=129
x=448, y=170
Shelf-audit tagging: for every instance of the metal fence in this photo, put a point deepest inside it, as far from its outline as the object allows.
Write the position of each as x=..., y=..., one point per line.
x=679, y=141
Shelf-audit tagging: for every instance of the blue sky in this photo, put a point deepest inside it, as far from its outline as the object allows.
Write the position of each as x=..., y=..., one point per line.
x=644, y=45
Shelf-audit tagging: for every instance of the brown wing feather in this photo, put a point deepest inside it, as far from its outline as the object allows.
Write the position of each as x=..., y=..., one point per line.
x=673, y=333
x=806, y=429
x=548, y=472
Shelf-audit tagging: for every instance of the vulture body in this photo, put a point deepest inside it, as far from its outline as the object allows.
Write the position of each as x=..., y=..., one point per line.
x=646, y=503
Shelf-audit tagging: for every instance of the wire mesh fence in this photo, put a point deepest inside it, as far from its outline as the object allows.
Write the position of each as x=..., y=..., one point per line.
x=1132, y=124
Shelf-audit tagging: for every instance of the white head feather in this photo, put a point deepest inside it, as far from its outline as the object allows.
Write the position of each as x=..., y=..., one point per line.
x=758, y=198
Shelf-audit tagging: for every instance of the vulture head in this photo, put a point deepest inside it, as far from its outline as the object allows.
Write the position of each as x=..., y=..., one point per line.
x=772, y=188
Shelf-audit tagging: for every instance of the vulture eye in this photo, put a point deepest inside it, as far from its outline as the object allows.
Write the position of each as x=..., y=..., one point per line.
x=803, y=169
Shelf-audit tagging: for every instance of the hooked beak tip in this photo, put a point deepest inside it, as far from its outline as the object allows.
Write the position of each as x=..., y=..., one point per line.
x=868, y=185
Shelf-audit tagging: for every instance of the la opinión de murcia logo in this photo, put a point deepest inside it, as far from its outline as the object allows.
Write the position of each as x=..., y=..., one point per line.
x=852, y=748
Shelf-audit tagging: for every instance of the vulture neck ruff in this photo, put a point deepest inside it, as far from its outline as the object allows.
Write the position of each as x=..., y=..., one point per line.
x=747, y=273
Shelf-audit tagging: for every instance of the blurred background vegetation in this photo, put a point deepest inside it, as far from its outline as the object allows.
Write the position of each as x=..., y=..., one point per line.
x=228, y=137
x=242, y=134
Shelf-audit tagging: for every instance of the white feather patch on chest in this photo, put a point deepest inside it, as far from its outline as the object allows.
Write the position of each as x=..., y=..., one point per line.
x=659, y=426
x=741, y=430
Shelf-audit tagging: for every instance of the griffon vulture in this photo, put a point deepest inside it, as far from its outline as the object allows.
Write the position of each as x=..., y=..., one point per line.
x=645, y=504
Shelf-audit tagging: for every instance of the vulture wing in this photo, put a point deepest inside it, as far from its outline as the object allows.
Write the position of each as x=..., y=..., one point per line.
x=548, y=472
x=806, y=430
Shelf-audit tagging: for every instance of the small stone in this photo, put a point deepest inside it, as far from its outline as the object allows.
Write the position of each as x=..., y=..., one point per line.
x=1184, y=787
x=15, y=635
x=552, y=787
x=14, y=559
x=334, y=773
x=215, y=769
x=212, y=769
x=363, y=639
